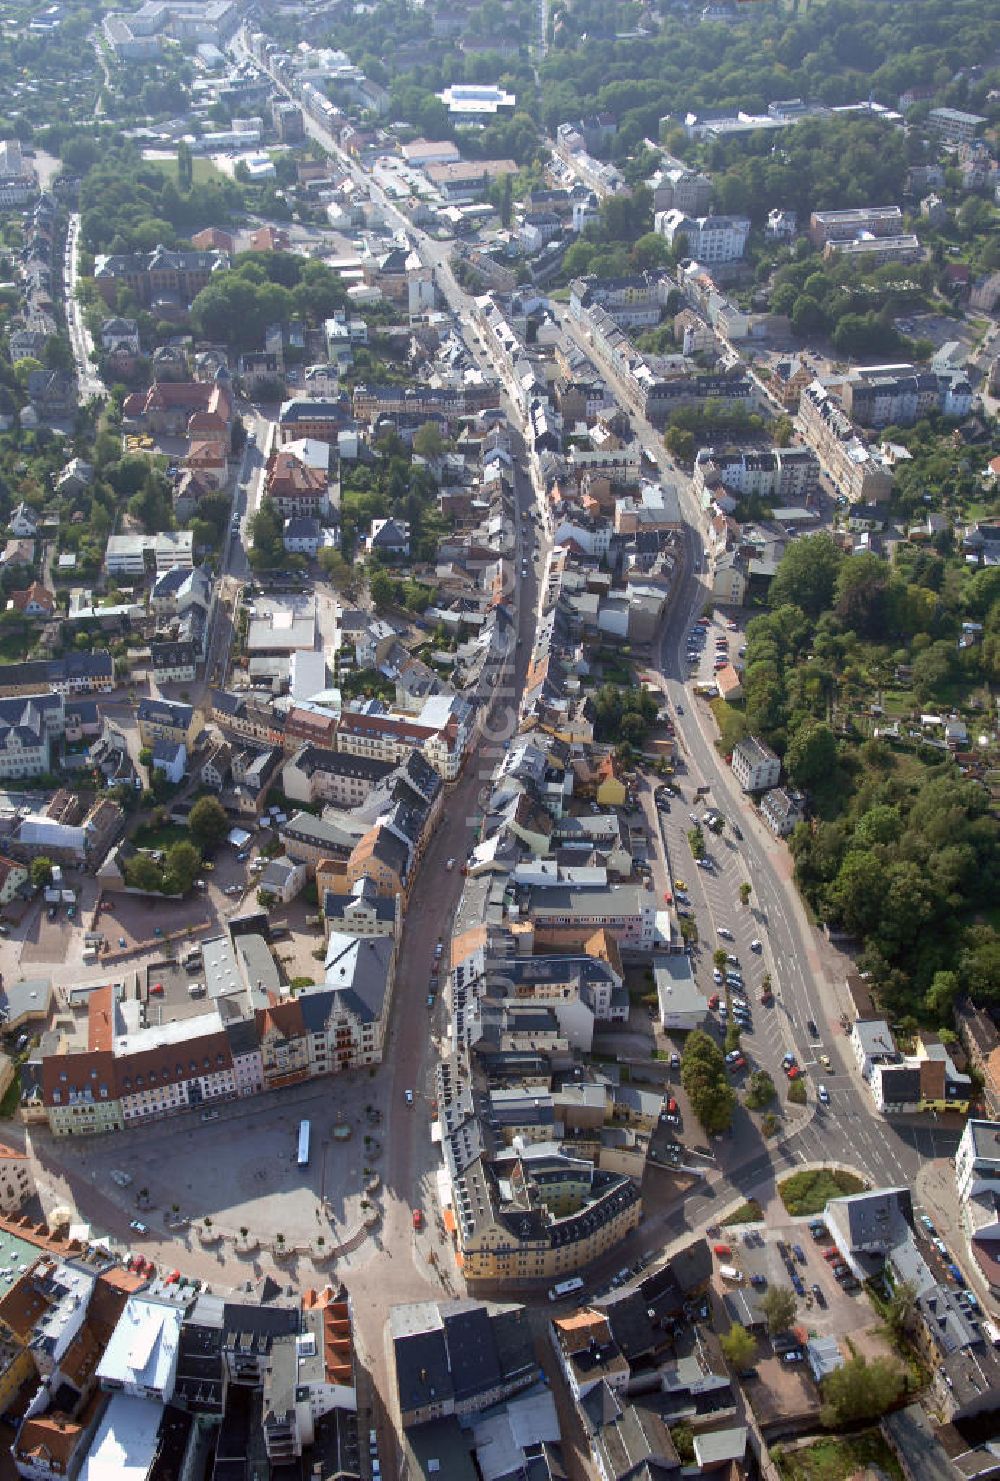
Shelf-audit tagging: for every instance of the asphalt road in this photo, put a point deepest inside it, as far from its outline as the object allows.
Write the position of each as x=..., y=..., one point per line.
x=90, y=383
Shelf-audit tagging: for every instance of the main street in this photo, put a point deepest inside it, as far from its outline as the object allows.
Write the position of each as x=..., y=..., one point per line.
x=89, y=381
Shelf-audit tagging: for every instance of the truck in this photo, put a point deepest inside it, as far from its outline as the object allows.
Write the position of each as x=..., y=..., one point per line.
x=566, y=1288
x=730, y=1273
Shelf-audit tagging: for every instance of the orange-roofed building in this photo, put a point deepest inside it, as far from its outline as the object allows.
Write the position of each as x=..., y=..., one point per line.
x=588, y=1353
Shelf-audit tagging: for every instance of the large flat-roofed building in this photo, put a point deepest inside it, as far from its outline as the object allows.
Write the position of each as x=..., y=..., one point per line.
x=954, y=124
x=477, y=101
x=845, y=226
x=682, y=1005
x=137, y=555
x=126, y=1442
x=875, y=251
x=626, y=911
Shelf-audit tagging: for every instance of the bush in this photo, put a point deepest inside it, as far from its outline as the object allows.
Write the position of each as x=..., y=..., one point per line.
x=760, y=1091
x=809, y=1192
x=797, y=1092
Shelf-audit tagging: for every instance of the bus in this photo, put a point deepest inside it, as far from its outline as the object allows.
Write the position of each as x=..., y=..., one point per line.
x=303, y=1158
x=566, y=1288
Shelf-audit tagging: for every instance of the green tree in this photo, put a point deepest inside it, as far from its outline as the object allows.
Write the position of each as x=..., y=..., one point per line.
x=143, y=873
x=705, y=1082
x=428, y=442
x=719, y=959
x=902, y=1310
x=806, y=574
x=779, y=1307
x=860, y=1390
x=41, y=872
x=680, y=443
x=760, y=1091
x=182, y=863
x=208, y=822
x=811, y=757
x=185, y=165
x=746, y=891
x=739, y=1348
x=382, y=588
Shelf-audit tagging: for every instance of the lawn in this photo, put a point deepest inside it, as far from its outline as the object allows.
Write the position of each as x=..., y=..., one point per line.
x=12, y=1098
x=747, y=1213
x=836, y=1457
x=202, y=169
x=809, y=1192
x=732, y=724
x=163, y=837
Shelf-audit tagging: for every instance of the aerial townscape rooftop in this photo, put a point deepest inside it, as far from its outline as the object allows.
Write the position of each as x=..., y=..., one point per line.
x=500, y=741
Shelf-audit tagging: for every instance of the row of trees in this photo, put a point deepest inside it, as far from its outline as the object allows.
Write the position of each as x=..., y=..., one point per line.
x=705, y=1082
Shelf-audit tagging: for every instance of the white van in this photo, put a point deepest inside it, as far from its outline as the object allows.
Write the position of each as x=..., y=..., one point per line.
x=730, y=1273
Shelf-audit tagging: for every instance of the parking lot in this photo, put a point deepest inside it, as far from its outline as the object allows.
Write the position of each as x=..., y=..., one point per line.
x=764, y=1257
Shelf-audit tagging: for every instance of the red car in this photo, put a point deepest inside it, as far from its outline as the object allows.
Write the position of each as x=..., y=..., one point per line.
x=172, y=1278
x=722, y=1250
x=793, y=1072
x=713, y=1001
x=418, y=1219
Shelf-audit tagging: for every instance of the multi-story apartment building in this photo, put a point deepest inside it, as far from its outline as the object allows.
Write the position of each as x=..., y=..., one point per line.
x=523, y=1242
x=158, y=275
x=899, y=395
x=77, y=673
x=441, y=732
x=977, y=1160
x=165, y=720
x=709, y=238
x=373, y=401
x=433, y=1372
x=24, y=739
x=846, y=226
x=305, y=416
x=859, y=474
x=755, y=766
x=339, y=777
x=633, y=302
x=781, y=475
x=139, y=555
x=239, y=716
x=102, y=1073
x=679, y=189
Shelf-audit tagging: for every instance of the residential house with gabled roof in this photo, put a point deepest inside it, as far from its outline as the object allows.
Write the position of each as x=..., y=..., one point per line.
x=33, y=601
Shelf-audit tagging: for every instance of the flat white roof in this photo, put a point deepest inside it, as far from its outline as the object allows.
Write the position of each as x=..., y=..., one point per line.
x=180, y=1031
x=125, y=1444
x=143, y=1346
